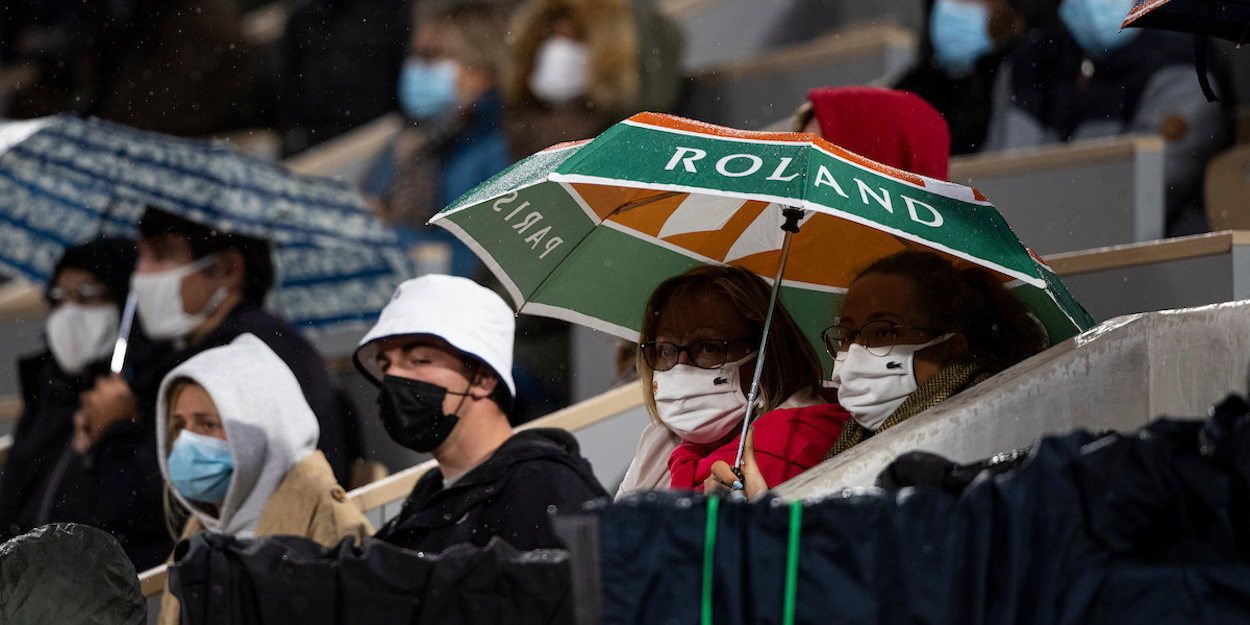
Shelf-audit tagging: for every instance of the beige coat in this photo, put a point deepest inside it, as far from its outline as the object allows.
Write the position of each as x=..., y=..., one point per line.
x=308, y=503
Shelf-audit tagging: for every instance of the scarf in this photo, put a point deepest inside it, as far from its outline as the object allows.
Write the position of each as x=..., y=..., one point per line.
x=952, y=379
x=416, y=192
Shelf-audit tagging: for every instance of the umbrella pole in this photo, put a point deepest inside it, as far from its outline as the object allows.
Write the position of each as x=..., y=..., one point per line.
x=123, y=335
x=791, y=226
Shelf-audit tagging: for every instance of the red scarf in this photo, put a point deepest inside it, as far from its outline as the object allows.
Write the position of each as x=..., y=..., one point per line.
x=787, y=442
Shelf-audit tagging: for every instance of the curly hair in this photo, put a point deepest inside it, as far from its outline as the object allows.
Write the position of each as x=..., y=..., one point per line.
x=970, y=301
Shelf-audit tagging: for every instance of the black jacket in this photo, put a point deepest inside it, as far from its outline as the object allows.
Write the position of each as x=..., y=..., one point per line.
x=509, y=496
x=340, y=437
x=116, y=487
x=964, y=103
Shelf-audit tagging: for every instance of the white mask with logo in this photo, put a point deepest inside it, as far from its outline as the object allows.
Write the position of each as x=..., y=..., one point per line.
x=561, y=70
x=80, y=335
x=158, y=297
x=872, y=387
x=701, y=405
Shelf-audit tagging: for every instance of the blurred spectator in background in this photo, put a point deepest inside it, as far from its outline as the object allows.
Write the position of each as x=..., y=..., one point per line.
x=340, y=63
x=965, y=44
x=200, y=288
x=52, y=474
x=238, y=449
x=181, y=67
x=895, y=128
x=579, y=66
x=447, y=90
x=1087, y=78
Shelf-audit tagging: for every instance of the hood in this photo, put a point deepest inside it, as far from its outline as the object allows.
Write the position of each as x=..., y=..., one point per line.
x=268, y=423
x=610, y=32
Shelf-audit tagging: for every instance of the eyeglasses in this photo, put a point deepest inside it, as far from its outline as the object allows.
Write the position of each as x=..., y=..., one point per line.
x=704, y=354
x=85, y=294
x=878, y=337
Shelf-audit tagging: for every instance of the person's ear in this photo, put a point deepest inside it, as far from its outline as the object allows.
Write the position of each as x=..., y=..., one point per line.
x=484, y=385
x=231, y=270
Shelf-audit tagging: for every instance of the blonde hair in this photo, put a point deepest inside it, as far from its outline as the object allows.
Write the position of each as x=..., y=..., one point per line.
x=474, y=33
x=790, y=364
x=176, y=514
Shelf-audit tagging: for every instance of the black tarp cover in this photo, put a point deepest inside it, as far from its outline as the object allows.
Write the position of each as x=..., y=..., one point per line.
x=1146, y=527
x=288, y=579
x=68, y=574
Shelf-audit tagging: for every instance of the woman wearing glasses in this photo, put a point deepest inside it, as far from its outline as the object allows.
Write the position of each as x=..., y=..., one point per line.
x=913, y=331
x=697, y=353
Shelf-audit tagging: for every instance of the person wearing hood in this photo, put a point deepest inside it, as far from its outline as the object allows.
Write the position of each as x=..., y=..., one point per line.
x=197, y=288
x=913, y=330
x=237, y=443
x=1086, y=78
x=697, y=356
x=579, y=66
x=452, y=140
x=441, y=356
x=892, y=127
x=52, y=473
x=965, y=45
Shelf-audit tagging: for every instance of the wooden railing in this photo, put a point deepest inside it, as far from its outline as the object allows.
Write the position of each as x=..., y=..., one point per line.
x=1147, y=253
x=329, y=158
x=1059, y=155
x=853, y=42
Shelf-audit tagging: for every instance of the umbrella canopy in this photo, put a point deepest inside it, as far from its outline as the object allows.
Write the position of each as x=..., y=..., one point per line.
x=1226, y=19
x=65, y=179
x=586, y=231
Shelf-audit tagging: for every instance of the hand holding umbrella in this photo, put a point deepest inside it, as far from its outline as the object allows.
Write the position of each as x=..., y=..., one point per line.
x=109, y=402
x=751, y=482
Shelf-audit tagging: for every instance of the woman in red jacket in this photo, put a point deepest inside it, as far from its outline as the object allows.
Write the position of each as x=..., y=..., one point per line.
x=698, y=352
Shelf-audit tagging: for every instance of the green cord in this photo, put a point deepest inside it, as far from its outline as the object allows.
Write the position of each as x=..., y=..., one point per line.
x=792, y=562
x=709, y=543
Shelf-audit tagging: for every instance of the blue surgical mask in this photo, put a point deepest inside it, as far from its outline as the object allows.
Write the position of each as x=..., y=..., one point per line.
x=1095, y=24
x=200, y=467
x=960, y=32
x=427, y=89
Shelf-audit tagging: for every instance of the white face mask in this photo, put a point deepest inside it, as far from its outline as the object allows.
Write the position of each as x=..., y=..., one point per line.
x=872, y=387
x=80, y=335
x=158, y=297
x=561, y=70
x=701, y=405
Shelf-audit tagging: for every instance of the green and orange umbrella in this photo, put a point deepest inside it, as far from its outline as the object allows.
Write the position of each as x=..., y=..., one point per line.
x=585, y=231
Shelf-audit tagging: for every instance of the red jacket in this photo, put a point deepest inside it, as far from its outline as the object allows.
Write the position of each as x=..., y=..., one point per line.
x=787, y=442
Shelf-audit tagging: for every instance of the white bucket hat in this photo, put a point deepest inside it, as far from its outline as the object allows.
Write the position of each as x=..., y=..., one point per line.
x=469, y=316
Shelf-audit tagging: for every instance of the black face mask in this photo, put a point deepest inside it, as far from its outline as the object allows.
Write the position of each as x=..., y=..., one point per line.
x=412, y=412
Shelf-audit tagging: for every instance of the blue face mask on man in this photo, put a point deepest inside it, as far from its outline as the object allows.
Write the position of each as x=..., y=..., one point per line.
x=200, y=467
x=1095, y=24
x=427, y=89
x=960, y=32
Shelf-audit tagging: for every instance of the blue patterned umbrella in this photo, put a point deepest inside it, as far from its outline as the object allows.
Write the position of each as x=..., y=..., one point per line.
x=65, y=179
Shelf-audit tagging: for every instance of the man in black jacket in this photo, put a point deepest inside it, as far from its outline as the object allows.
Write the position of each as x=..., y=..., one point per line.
x=441, y=355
